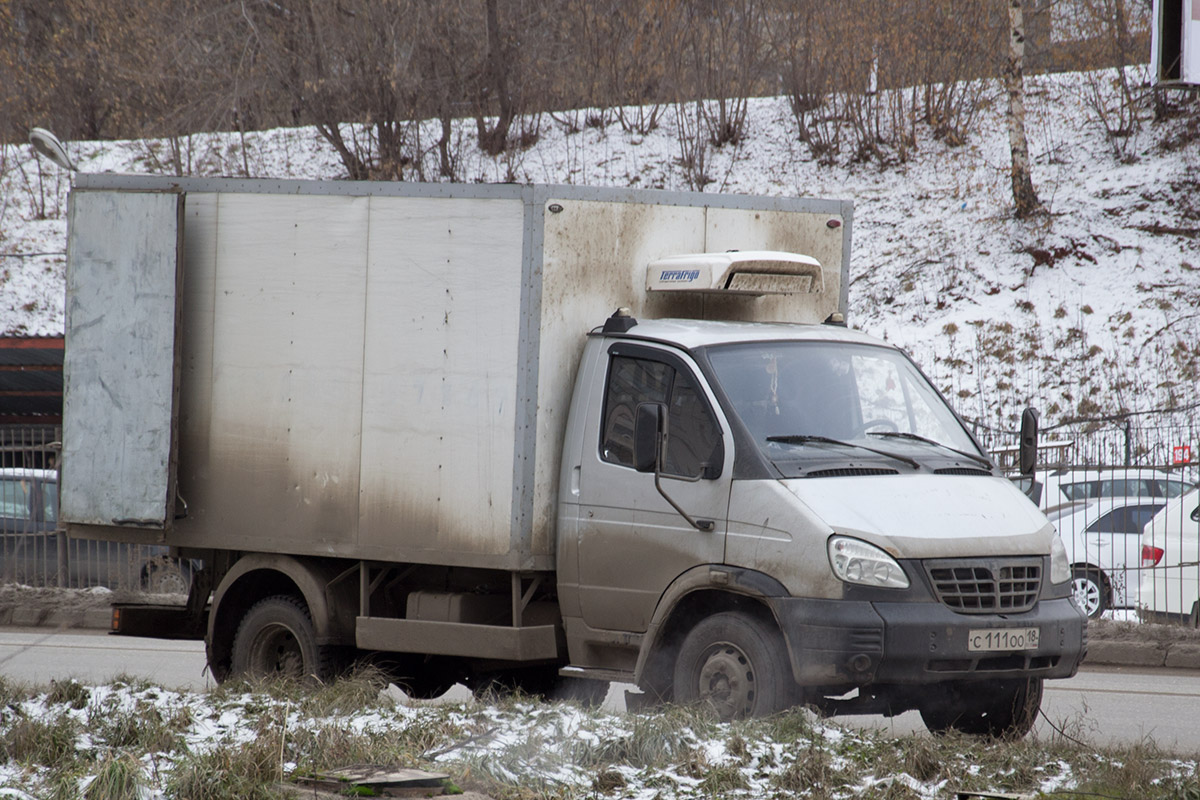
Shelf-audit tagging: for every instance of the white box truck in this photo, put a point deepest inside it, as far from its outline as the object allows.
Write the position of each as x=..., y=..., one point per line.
x=405, y=420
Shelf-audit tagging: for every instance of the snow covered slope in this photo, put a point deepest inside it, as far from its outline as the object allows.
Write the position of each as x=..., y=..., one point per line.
x=1094, y=307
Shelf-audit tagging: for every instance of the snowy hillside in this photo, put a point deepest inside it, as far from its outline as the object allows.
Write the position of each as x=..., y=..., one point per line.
x=1089, y=309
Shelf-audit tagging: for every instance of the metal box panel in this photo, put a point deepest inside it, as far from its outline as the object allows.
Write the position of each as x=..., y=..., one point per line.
x=443, y=311
x=196, y=355
x=287, y=356
x=119, y=368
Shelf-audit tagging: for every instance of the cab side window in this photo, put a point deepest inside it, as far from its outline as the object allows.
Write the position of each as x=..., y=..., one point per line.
x=694, y=437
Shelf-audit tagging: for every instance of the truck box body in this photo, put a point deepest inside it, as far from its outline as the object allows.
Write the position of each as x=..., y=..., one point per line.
x=376, y=371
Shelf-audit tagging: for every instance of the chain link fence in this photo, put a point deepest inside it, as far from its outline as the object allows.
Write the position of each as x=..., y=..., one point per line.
x=34, y=551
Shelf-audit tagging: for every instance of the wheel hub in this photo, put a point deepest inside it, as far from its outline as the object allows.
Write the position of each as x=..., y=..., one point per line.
x=727, y=681
x=277, y=652
x=1087, y=594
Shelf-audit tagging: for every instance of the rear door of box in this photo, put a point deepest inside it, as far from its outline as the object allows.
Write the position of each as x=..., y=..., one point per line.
x=120, y=368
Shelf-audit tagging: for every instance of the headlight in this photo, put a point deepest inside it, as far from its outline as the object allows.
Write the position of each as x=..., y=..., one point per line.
x=855, y=561
x=1060, y=565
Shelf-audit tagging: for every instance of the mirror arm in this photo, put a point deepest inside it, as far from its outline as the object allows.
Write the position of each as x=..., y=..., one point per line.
x=699, y=524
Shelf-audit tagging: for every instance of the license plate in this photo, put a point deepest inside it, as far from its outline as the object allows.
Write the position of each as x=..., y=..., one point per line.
x=1002, y=639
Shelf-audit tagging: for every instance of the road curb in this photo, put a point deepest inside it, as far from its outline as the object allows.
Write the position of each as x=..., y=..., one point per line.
x=1125, y=653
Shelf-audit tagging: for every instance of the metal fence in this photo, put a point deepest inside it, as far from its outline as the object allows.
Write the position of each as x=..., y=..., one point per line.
x=35, y=552
x=1122, y=494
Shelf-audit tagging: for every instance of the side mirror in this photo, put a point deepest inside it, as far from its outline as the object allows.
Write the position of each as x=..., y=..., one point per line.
x=1029, y=441
x=647, y=435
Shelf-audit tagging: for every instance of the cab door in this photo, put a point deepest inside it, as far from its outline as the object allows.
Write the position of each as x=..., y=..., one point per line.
x=631, y=542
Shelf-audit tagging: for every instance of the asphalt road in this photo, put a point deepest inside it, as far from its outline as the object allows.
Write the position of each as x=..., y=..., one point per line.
x=1100, y=704
x=1105, y=705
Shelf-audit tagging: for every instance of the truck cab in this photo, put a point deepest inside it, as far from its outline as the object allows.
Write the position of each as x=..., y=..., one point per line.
x=761, y=514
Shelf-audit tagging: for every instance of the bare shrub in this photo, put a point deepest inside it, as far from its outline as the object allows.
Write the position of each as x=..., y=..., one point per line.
x=693, y=144
x=346, y=62
x=1112, y=33
x=721, y=64
x=866, y=73
x=812, y=70
x=633, y=57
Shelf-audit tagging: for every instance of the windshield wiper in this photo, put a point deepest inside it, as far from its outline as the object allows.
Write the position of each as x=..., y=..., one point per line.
x=799, y=438
x=983, y=462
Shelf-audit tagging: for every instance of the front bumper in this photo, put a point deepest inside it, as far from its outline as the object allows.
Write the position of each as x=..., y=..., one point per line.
x=843, y=643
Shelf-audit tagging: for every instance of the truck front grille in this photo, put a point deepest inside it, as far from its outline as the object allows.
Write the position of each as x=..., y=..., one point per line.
x=993, y=586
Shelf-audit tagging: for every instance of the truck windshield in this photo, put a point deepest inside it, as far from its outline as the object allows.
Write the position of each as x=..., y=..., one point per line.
x=785, y=392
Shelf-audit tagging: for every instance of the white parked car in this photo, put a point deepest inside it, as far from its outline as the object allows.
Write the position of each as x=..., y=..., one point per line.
x=1103, y=537
x=1062, y=486
x=1170, y=579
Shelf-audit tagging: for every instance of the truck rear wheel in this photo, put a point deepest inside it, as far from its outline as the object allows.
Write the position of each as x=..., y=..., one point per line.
x=1001, y=709
x=736, y=663
x=276, y=638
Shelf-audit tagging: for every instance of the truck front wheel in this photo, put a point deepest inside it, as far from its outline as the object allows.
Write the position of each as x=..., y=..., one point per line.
x=1001, y=709
x=736, y=663
x=276, y=638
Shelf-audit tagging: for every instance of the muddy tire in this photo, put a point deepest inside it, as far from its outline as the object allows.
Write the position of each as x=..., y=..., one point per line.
x=737, y=664
x=276, y=639
x=998, y=709
x=1090, y=590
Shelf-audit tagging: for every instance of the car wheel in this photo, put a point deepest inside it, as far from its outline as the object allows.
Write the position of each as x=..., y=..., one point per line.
x=276, y=638
x=1090, y=590
x=737, y=664
x=1000, y=709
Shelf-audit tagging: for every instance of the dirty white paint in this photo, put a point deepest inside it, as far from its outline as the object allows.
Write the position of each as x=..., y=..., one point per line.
x=929, y=516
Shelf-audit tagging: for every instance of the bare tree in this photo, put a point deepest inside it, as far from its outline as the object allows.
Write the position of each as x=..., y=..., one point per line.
x=637, y=63
x=447, y=58
x=1116, y=27
x=726, y=51
x=812, y=66
x=350, y=69
x=1024, y=196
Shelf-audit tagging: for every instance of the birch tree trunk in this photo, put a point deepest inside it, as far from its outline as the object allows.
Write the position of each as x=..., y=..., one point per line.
x=1024, y=196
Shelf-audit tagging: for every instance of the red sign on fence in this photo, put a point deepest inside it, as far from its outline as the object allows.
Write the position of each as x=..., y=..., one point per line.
x=1181, y=454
